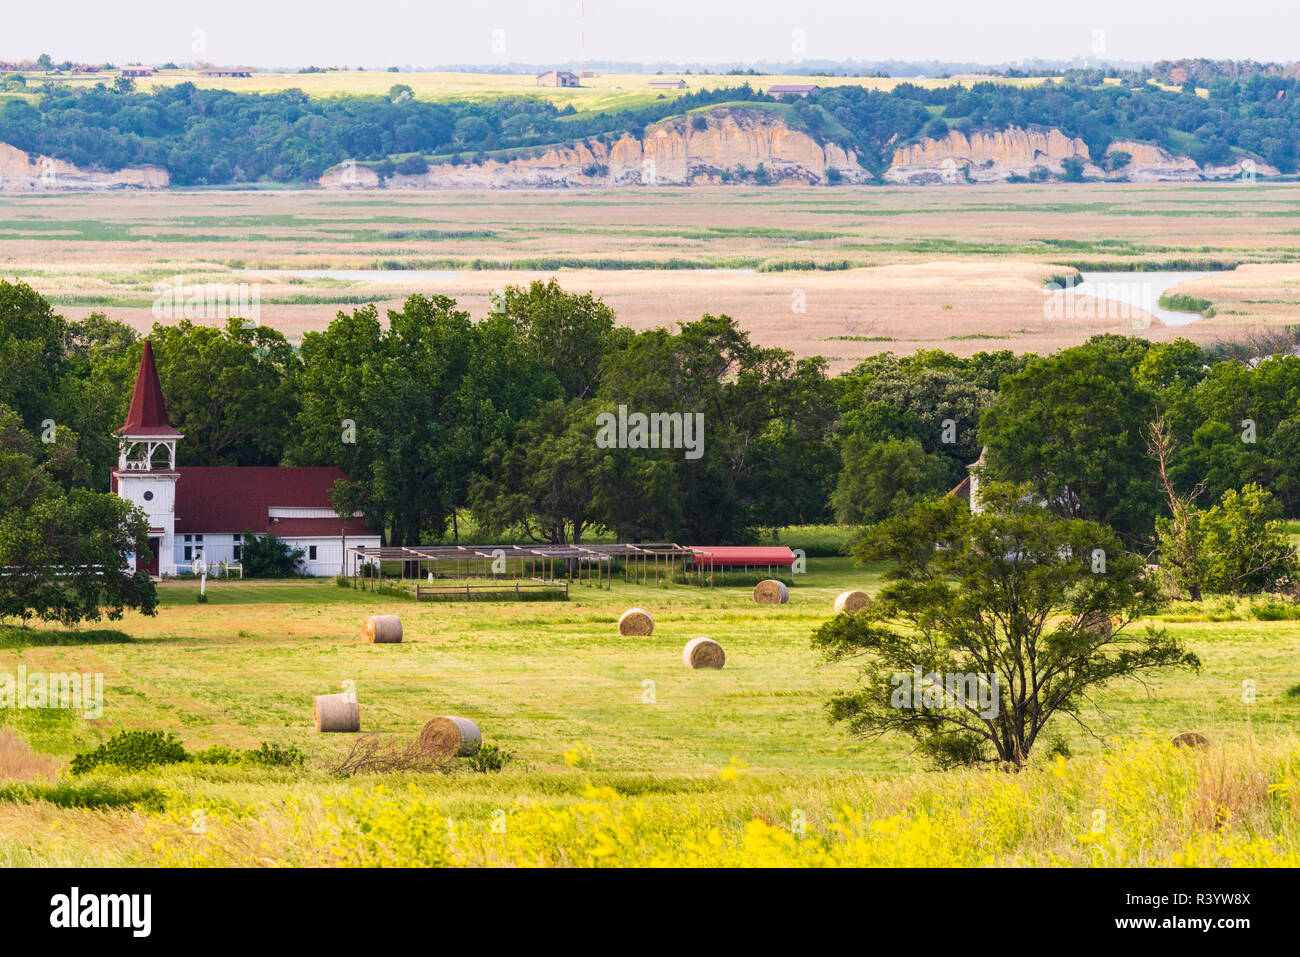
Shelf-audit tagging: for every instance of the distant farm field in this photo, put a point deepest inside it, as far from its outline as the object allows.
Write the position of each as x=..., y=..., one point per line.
x=610, y=735
x=837, y=272
x=608, y=91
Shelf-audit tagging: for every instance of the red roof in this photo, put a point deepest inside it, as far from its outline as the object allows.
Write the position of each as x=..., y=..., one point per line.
x=709, y=555
x=236, y=499
x=148, y=412
x=320, y=527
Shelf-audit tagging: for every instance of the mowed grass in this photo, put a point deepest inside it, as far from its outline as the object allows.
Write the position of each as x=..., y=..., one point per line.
x=697, y=767
x=539, y=676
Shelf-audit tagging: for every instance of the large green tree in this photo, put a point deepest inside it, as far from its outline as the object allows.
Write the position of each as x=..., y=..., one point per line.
x=1041, y=608
x=1072, y=426
x=553, y=482
x=568, y=334
x=32, y=357
x=766, y=459
x=884, y=478
x=410, y=410
x=230, y=390
x=63, y=552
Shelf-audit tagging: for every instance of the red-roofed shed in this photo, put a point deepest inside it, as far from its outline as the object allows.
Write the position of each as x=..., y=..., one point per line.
x=743, y=556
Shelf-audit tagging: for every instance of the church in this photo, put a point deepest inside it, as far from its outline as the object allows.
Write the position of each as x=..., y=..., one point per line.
x=199, y=515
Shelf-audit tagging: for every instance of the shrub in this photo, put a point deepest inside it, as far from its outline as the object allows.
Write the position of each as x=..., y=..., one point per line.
x=131, y=751
x=1275, y=610
x=413, y=166
x=141, y=750
x=217, y=754
x=1181, y=303
x=274, y=756
x=490, y=758
x=265, y=556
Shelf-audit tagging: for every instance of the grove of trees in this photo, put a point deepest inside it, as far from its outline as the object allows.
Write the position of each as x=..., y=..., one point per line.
x=212, y=137
x=438, y=416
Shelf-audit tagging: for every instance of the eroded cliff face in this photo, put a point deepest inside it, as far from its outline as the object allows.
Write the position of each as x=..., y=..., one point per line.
x=22, y=173
x=675, y=152
x=996, y=156
x=987, y=157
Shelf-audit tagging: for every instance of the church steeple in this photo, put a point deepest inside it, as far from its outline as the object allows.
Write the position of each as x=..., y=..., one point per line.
x=147, y=429
x=148, y=413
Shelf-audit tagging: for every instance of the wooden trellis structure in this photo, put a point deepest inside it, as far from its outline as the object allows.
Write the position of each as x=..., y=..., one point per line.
x=537, y=565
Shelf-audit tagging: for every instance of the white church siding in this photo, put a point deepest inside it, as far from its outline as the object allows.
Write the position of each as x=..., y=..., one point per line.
x=328, y=551
x=322, y=555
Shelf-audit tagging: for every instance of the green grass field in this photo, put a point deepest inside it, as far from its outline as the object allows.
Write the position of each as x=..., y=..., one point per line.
x=751, y=741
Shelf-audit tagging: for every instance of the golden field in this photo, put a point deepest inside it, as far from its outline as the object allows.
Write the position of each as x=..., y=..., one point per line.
x=608, y=91
x=872, y=269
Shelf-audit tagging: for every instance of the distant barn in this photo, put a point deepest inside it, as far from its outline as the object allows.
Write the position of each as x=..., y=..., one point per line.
x=557, y=78
x=138, y=69
x=215, y=71
x=793, y=89
x=662, y=83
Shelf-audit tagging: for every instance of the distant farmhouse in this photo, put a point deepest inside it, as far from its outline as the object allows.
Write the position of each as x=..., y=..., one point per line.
x=663, y=83
x=793, y=89
x=138, y=69
x=557, y=78
x=214, y=71
x=200, y=514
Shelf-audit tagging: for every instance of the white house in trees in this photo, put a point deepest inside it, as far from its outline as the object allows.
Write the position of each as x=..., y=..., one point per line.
x=969, y=488
x=201, y=514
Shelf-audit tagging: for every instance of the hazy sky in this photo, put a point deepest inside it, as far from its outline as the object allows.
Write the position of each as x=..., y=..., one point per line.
x=428, y=32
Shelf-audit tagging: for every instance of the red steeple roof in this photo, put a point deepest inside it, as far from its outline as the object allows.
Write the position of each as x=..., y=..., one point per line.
x=148, y=412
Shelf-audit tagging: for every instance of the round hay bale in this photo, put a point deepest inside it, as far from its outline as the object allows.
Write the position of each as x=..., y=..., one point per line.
x=636, y=621
x=382, y=629
x=1098, y=624
x=703, y=653
x=1191, y=739
x=850, y=602
x=336, y=712
x=447, y=736
x=771, y=592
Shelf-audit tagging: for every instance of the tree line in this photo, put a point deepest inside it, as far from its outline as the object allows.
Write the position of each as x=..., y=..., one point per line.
x=217, y=137
x=436, y=416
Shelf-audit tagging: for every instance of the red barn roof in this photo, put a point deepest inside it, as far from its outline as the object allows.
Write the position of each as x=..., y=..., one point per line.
x=742, y=555
x=236, y=499
x=148, y=412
